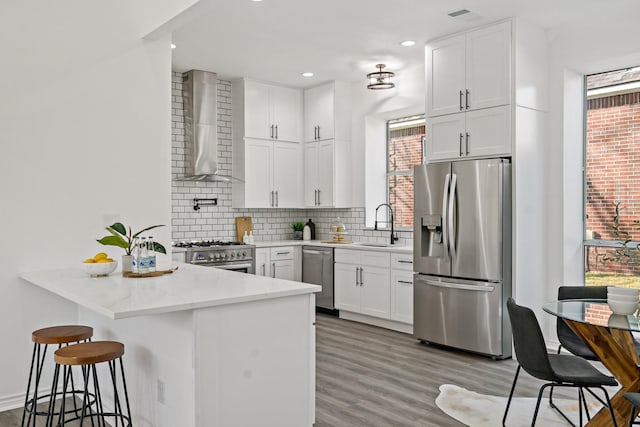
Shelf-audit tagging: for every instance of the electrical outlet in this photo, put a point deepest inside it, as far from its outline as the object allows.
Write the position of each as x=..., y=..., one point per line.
x=161, y=391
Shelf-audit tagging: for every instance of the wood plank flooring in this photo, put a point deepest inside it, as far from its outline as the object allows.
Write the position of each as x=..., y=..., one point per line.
x=369, y=377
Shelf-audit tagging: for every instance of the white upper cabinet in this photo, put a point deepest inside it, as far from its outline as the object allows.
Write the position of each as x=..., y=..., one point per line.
x=327, y=135
x=271, y=111
x=267, y=152
x=469, y=71
x=478, y=133
x=318, y=113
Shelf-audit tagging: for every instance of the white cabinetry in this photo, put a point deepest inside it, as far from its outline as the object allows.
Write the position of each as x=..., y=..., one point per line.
x=479, y=133
x=362, y=282
x=272, y=175
x=469, y=71
x=327, y=151
x=271, y=111
x=476, y=82
x=276, y=262
x=402, y=288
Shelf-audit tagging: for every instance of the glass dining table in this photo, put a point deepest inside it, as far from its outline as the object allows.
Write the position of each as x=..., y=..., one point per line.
x=609, y=336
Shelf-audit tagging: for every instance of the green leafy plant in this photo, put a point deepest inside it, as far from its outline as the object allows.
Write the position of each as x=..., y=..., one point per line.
x=297, y=226
x=122, y=237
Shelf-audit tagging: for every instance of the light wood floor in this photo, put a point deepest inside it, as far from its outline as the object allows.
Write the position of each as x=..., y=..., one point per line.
x=369, y=377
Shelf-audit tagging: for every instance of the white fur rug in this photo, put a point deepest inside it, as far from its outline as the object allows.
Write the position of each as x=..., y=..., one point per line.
x=480, y=410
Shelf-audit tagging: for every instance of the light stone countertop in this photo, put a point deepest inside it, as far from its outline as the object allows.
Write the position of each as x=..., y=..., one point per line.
x=356, y=245
x=190, y=287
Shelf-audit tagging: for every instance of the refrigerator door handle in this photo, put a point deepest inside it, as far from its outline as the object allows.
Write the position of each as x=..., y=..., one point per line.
x=451, y=236
x=479, y=288
x=445, y=198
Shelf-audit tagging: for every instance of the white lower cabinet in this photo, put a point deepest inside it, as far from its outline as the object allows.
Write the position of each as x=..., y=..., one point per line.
x=276, y=262
x=362, y=282
x=402, y=288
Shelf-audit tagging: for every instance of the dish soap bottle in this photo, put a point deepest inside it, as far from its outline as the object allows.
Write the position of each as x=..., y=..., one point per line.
x=245, y=238
x=306, y=233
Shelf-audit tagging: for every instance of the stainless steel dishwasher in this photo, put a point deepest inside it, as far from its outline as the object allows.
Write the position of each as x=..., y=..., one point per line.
x=317, y=269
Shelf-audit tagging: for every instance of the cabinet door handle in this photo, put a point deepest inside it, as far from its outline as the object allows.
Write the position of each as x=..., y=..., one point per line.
x=461, y=95
x=405, y=262
x=357, y=276
x=318, y=197
x=278, y=197
x=461, y=152
x=277, y=131
x=264, y=269
x=273, y=270
x=467, y=143
x=271, y=134
x=361, y=281
x=405, y=282
x=272, y=199
x=318, y=131
x=466, y=98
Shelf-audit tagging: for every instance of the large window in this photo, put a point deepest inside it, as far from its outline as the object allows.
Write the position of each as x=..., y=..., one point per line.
x=612, y=178
x=404, y=151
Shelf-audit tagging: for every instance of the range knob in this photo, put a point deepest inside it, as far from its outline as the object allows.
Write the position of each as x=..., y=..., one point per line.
x=223, y=256
x=232, y=254
x=244, y=254
x=216, y=256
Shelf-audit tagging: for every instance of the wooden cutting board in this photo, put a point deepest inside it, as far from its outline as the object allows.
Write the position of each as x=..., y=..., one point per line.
x=243, y=223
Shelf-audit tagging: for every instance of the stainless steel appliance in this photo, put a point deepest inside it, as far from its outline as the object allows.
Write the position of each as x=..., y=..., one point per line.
x=234, y=256
x=317, y=269
x=462, y=255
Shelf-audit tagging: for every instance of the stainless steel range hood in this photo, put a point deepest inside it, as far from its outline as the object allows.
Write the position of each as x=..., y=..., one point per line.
x=199, y=92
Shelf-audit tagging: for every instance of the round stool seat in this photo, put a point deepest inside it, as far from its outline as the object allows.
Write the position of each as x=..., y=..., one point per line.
x=89, y=353
x=62, y=334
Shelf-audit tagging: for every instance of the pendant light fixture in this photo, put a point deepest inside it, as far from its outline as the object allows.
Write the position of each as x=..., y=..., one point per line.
x=380, y=79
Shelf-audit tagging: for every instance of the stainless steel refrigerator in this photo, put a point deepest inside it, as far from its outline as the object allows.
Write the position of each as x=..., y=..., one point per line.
x=462, y=255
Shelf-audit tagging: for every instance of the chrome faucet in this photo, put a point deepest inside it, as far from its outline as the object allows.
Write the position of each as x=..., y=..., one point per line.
x=375, y=226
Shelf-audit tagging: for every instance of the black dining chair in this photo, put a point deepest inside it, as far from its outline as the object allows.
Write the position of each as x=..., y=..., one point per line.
x=567, y=338
x=634, y=398
x=560, y=370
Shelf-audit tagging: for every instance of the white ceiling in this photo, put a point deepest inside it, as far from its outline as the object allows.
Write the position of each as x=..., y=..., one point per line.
x=276, y=40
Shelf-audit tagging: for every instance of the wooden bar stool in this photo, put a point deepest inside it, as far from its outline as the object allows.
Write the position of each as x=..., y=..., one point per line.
x=88, y=355
x=60, y=335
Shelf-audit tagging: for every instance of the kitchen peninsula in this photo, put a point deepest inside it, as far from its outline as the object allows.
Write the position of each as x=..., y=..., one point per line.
x=203, y=346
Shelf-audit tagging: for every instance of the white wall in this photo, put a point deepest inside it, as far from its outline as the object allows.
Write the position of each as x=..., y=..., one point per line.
x=85, y=121
x=576, y=50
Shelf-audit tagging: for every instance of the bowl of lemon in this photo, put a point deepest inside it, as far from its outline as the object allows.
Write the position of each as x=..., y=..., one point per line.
x=100, y=265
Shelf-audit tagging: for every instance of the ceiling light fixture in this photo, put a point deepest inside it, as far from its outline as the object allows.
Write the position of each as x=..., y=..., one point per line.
x=307, y=74
x=173, y=46
x=408, y=43
x=380, y=79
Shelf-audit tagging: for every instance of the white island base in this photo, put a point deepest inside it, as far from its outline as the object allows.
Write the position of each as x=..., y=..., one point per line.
x=245, y=363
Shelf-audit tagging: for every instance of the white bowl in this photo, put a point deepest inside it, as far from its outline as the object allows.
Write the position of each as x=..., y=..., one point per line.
x=623, y=307
x=98, y=269
x=615, y=290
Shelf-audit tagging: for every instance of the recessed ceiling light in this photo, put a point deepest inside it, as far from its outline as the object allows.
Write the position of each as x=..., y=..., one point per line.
x=408, y=43
x=256, y=1
x=173, y=46
x=307, y=74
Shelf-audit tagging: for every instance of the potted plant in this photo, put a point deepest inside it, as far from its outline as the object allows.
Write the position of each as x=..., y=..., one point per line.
x=124, y=238
x=297, y=230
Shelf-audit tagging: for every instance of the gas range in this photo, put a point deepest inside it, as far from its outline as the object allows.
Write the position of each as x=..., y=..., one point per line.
x=234, y=256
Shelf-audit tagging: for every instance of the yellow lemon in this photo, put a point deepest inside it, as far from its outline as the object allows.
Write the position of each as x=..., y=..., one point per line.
x=109, y=259
x=88, y=261
x=99, y=256
x=103, y=260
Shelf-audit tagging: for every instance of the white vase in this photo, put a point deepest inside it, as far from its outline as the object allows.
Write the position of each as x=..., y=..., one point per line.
x=126, y=263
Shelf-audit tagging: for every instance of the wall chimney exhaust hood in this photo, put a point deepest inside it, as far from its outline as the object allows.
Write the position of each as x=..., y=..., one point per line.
x=199, y=92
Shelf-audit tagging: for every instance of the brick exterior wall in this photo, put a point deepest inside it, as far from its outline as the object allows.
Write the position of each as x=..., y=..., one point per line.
x=613, y=174
x=405, y=151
